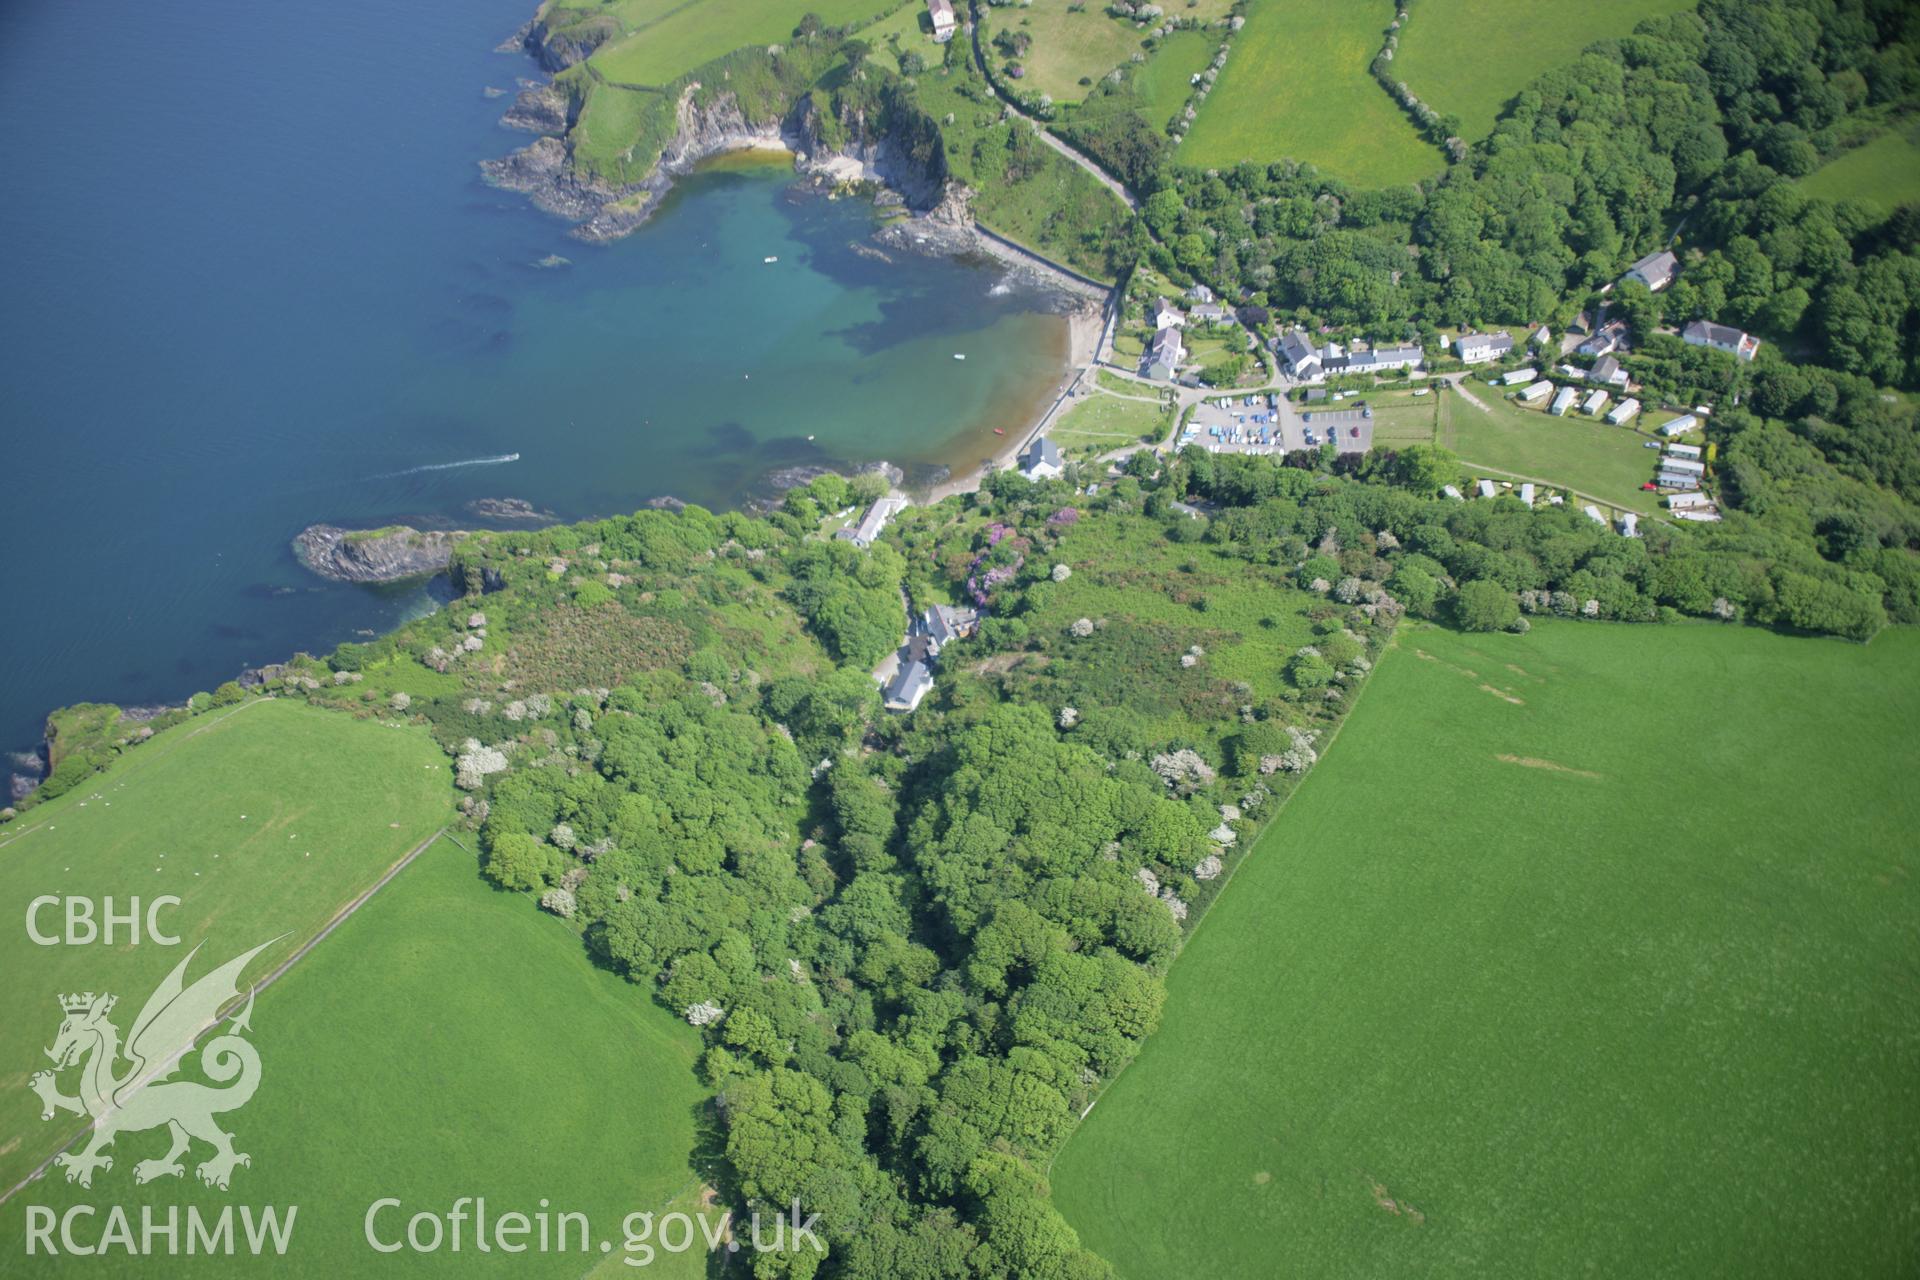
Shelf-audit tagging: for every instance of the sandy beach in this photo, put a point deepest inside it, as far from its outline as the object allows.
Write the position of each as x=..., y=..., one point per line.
x=1084, y=326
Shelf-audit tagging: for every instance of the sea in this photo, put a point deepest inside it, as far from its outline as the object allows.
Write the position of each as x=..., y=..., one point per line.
x=252, y=280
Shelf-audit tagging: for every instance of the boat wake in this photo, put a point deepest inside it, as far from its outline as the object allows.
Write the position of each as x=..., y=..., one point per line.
x=449, y=466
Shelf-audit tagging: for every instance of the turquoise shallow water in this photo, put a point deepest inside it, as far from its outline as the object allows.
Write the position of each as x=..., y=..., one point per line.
x=252, y=281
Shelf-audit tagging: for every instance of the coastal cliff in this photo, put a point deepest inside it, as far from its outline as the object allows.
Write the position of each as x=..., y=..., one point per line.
x=705, y=125
x=375, y=555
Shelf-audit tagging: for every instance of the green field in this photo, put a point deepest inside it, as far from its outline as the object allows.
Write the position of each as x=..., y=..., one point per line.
x=264, y=820
x=696, y=33
x=1297, y=85
x=1101, y=422
x=1885, y=171
x=1466, y=58
x=448, y=1040
x=1546, y=973
x=1575, y=451
x=1069, y=45
x=1163, y=84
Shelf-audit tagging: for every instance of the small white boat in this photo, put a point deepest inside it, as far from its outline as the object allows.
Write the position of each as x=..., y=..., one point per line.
x=958, y=356
x=771, y=258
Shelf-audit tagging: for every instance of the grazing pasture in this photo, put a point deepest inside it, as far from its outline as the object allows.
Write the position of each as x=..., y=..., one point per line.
x=448, y=1040
x=1587, y=951
x=1068, y=45
x=1466, y=58
x=1297, y=85
x=264, y=819
x=1884, y=171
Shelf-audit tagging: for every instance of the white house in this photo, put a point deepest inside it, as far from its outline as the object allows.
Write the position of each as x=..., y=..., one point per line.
x=1596, y=401
x=1296, y=350
x=1605, y=340
x=864, y=534
x=1683, y=450
x=1372, y=360
x=941, y=11
x=1478, y=348
x=1622, y=411
x=1680, y=501
x=1486, y=489
x=1526, y=494
x=908, y=687
x=1593, y=513
x=1537, y=392
x=1519, y=376
x=1705, y=333
x=1654, y=271
x=1042, y=460
x=1562, y=402
x=1679, y=426
x=1164, y=355
x=1167, y=316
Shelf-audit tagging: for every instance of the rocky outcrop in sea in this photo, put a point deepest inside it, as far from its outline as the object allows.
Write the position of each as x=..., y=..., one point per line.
x=373, y=556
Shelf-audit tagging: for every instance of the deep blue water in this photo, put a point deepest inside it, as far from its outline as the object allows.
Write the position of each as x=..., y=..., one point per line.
x=252, y=281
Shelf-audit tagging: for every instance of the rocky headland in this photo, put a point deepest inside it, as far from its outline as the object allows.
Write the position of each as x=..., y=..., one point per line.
x=369, y=556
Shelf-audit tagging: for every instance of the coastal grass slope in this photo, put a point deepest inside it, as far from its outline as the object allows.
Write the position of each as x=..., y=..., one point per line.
x=1584, y=951
x=264, y=819
x=448, y=1040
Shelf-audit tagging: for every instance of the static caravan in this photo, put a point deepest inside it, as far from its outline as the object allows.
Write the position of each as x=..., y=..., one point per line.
x=1592, y=513
x=1537, y=392
x=1562, y=402
x=1519, y=376
x=1526, y=494
x=1622, y=411
x=1683, y=451
x=1686, y=466
x=1595, y=402
x=1679, y=426
x=1486, y=489
x=1676, y=480
x=1680, y=501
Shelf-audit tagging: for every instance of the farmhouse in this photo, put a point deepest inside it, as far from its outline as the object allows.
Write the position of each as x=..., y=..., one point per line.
x=1478, y=348
x=1735, y=342
x=1042, y=460
x=1683, y=450
x=1622, y=411
x=1679, y=426
x=863, y=534
x=1164, y=355
x=1654, y=271
x=1562, y=402
x=941, y=11
x=1537, y=392
x=1166, y=315
x=1596, y=401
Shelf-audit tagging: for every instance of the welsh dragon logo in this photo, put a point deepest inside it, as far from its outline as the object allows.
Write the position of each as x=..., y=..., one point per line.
x=140, y=1096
